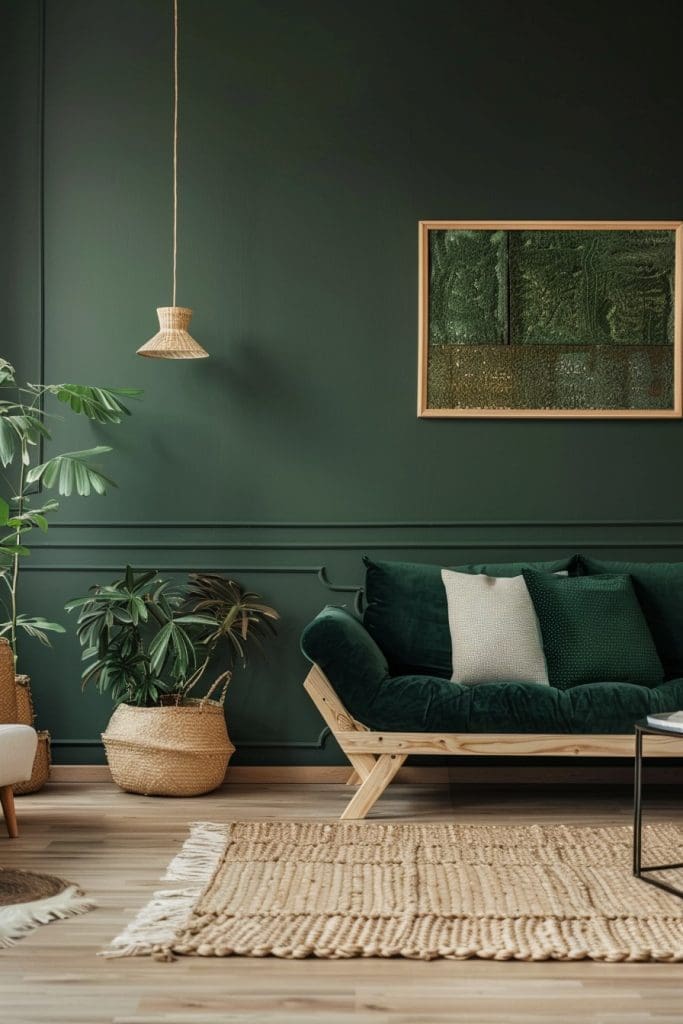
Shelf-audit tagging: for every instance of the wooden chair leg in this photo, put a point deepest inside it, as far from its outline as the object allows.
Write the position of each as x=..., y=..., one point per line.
x=353, y=779
x=374, y=785
x=9, y=810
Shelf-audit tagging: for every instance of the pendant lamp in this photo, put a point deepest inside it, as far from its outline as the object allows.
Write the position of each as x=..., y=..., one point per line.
x=173, y=341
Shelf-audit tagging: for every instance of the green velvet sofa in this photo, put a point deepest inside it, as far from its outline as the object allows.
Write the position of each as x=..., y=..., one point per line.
x=382, y=682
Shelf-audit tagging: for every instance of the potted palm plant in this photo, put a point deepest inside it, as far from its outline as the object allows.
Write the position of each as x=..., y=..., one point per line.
x=26, y=421
x=148, y=643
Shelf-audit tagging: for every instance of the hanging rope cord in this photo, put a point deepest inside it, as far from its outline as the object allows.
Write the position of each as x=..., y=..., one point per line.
x=175, y=145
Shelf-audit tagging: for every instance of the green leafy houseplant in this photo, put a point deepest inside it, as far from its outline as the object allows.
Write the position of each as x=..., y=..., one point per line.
x=23, y=426
x=146, y=641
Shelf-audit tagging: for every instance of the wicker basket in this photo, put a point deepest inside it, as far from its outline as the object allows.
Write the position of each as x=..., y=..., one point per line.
x=180, y=750
x=25, y=711
x=8, y=696
x=41, y=768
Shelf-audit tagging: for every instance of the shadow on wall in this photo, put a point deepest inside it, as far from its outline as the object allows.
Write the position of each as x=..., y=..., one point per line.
x=273, y=380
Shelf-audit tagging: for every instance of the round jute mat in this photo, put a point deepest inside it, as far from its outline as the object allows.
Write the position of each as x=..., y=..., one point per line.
x=28, y=899
x=26, y=886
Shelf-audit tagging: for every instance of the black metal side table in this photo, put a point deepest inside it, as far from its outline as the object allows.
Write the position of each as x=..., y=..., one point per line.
x=643, y=728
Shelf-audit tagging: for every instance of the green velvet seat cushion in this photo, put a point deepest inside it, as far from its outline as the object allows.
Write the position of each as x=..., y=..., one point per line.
x=358, y=671
x=659, y=588
x=430, y=704
x=593, y=628
x=406, y=611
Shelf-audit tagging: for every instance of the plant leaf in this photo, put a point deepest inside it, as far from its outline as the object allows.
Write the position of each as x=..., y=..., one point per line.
x=7, y=373
x=103, y=405
x=70, y=470
x=158, y=648
x=37, y=628
x=8, y=442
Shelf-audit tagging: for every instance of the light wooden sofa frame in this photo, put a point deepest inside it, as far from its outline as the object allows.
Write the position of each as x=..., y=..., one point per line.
x=376, y=757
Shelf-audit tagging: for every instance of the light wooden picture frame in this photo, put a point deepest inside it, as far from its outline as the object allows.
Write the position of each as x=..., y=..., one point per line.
x=516, y=321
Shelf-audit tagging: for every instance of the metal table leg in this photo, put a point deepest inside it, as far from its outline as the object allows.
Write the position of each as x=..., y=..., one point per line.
x=637, y=804
x=638, y=870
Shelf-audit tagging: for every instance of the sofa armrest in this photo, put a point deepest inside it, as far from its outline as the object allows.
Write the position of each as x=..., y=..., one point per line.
x=342, y=648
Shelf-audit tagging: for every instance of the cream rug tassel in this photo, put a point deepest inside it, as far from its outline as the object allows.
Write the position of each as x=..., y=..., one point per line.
x=153, y=930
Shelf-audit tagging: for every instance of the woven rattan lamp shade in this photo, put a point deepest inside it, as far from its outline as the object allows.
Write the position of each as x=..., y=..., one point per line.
x=172, y=340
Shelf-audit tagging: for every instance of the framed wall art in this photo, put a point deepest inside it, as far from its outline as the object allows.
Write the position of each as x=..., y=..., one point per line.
x=550, y=319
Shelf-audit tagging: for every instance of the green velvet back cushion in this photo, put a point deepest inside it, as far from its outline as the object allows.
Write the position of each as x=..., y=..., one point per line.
x=593, y=629
x=407, y=616
x=659, y=587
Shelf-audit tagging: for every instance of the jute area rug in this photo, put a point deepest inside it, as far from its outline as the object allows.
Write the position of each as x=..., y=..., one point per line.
x=28, y=900
x=336, y=890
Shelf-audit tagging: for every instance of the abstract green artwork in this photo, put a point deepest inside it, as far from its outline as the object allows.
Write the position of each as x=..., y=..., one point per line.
x=538, y=319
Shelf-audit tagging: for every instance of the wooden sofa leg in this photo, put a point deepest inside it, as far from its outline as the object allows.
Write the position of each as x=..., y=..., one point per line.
x=362, y=765
x=374, y=785
x=7, y=801
x=336, y=717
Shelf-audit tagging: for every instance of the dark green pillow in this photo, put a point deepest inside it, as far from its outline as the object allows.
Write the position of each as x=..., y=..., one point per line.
x=659, y=588
x=593, y=629
x=406, y=612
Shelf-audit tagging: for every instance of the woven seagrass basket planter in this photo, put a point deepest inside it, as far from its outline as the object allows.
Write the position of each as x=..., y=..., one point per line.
x=8, y=694
x=26, y=716
x=171, y=750
x=41, y=768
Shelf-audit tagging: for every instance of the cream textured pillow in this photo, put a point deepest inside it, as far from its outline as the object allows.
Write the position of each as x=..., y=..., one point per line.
x=495, y=635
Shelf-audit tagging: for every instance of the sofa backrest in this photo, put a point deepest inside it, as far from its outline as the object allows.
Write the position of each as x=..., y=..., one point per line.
x=406, y=613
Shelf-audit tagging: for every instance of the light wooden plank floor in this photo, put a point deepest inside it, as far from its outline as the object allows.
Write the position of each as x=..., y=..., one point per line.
x=116, y=846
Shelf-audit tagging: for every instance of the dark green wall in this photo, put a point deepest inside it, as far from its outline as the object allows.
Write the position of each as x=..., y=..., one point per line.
x=314, y=136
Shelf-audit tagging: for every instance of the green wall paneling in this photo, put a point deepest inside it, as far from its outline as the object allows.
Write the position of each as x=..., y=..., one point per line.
x=314, y=137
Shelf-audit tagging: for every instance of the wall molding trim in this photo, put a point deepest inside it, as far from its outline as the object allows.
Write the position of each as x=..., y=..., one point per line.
x=115, y=567
x=316, y=570
x=316, y=744
x=184, y=524
x=418, y=545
